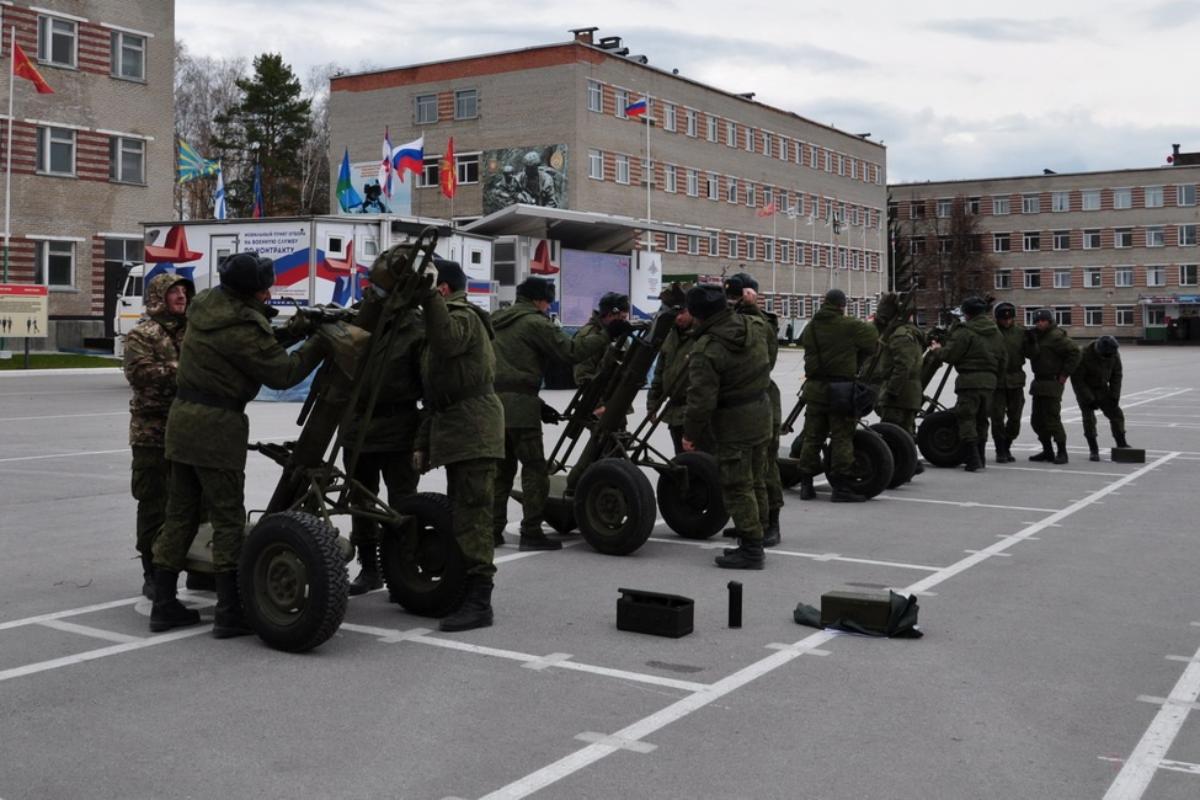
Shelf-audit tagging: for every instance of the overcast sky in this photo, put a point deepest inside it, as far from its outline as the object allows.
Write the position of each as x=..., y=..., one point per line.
x=955, y=90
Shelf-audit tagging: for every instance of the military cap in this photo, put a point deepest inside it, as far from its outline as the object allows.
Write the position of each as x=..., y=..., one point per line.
x=534, y=288
x=1005, y=310
x=674, y=295
x=705, y=300
x=614, y=303
x=974, y=306
x=738, y=282
x=450, y=273
x=246, y=273
x=1107, y=345
x=1043, y=315
x=836, y=297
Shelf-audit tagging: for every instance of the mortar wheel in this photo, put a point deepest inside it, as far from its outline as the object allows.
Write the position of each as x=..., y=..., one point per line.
x=690, y=500
x=421, y=561
x=614, y=506
x=904, y=452
x=789, y=470
x=292, y=579
x=937, y=436
x=873, y=464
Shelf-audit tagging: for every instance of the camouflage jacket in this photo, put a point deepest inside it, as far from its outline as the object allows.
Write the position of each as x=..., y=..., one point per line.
x=1014, y=345
x=593, y=331
x=151, y=361
x=769, y=329
x=1051, y=354
x=395, y=418
x=1098, y=378
x=729, y=372
x=899, y=372
x=229, y=352
x=834, y=347
x=977, y=353
x=670, y=375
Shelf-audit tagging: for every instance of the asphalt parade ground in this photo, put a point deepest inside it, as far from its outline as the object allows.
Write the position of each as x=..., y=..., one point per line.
x=1061, y=656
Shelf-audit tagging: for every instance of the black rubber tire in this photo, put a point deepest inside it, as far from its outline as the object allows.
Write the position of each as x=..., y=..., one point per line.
x=614, y=506
x=559, y=514
x=937, y=436
x=292, y=579
x=789, y=473
x=904, y=452
x=872, y=462
x=699, y=512
x=429, y=580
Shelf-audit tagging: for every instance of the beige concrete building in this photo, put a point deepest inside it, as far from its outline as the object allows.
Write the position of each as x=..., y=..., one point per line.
x=93, y=159
x=723, y=168
x=1111, y=252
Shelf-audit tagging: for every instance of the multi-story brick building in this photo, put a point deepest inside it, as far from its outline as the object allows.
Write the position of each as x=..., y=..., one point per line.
x=719, y=163
x=93, y=159
x=1111, y=252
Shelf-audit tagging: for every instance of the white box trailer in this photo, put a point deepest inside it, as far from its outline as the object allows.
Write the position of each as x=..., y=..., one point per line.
x=318, y=259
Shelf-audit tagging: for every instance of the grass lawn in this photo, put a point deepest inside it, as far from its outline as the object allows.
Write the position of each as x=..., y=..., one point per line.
x=56, y=361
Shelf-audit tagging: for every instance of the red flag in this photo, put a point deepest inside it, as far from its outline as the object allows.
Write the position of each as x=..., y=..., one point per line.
x=448, y=173
x=23, y=68
x=769, y=210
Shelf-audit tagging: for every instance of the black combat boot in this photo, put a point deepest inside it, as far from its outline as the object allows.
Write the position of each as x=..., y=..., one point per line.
x=999, y=440
x=736, y=535
x=369, y=577
x=535, y=539
x=842, y=493
x=148, y=577
x=748, y=555
x=771, y=531
x=167, y=612
x=970, y=457
x=807, y=492
x=1047, y=453
x=1093, y=448
x=498, y=537
x=200, y=581
x=982, y=442
x=1120, y=437
x=1061, y=456
x=229, y=621
x=476, y=608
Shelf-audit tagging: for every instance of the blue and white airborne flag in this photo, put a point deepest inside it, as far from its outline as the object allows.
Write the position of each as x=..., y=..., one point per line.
x=219, y=196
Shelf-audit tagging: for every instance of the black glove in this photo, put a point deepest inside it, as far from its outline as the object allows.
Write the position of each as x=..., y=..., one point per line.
x=618, y=327
x=550, y=414
x=297, y=328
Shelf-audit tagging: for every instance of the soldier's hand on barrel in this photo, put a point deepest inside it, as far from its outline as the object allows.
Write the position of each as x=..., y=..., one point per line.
x=688, y=444
x=935, y=345
x=749, y=296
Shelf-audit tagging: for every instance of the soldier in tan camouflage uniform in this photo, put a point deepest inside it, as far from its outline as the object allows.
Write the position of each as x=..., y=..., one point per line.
x=151, y=360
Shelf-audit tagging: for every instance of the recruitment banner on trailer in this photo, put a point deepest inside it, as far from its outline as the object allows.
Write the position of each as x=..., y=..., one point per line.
x=24, y=310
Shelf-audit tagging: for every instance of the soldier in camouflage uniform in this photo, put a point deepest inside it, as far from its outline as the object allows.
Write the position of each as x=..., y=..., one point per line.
x=229, y=352
x=834, y=347
x=1097, y=385
x=670, y=371
x=605, y=324
x=977, y=353
x=151, y=360
x=1053, y=357
x=728, y=376
x=898, y=374
x=526, y=342
x=1009, y=399
x=463, y=429
x=389, y=440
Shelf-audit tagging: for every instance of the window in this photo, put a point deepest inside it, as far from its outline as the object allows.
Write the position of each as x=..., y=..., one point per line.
x=783, y=149
x=672, y=243
x=749, y=140
x=1156, y=276
x=1031, y=204
x=1001, y=242
x=1154, y=197
x=1187, y=274
x=945, y=244
x=1002, y=279
x=693, y=183
x=1029, y=312
x=1122, y=198
x=55, y=264
x=1062, y=240
x=56, y=41
x=714, y=243
x=711, y=125
x=1123, y=237
x=426, y=108
x=731, y=134
x=431, y=171
x=128, y=56
x=1001, y=206
x=943, y=208
x=1059, y=201
x=1123, y=277
x=1156, y=315
x=126, y=160
x=972, y=206
x=1093, y=316
x=751, y=195
x=466, y=104
x=1124, y=315
x=1032, y=240
x=1033, y=279
x=853, y=169
x=731, y=190
x=622, y=169
x=668, y=117
x=916, y=209
x=841, y=164
x=1185, y=195
x=751, y=241
x=1154, y=236
x=595, y=96
x=712, y=187
x=1091, y=239
x=800, y=249
x=690, y=121
x=596, y=165
x=1091, y=277
x=1187, y=235
x=768, y=196
x=622, y=100
x=731, y=241
x=670, y=178
x=768, y=249
x=56, y=151
x=1062, y=316
x=1091, y=199
x=916, y=247
x=1062, y=279
x=828, y=161
x=693, y=245
x=785, y=251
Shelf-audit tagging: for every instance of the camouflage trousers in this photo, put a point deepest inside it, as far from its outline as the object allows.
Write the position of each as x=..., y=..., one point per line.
x=1111, y=409
x=1007, y=404
x=151, y=473
x=905, y=418
x=820, y=425
x=972, y=412
x=743, y=487
x=469, y=485
x=398, y=476
x=770, y=470
x=192, y=491
x=1045, y=417
x=522, y=446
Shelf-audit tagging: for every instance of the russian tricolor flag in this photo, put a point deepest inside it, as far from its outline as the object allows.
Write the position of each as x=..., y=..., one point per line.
x=410, y=157
x=636, y=108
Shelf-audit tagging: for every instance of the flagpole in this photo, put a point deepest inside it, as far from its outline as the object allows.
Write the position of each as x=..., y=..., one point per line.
x=12, y=57
x=648, y=170
x=774, y=248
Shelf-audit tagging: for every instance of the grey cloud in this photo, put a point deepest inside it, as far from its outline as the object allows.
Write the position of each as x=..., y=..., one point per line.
x=1000, y=29
x=691, y=52
x=1172, y=13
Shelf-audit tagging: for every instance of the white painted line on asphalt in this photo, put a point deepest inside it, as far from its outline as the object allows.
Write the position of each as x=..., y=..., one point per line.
x=71, y=612
x=704, y=544
x=795, y=647
x=1125, y=406
x=103, y=652
x=65, y=455
x=632, y=745
x=67, y=416
x=1180, y=766
x=550, y=660
x=1184, y=659
x=65, y=372
x=1004, y=555
x=1161, y=701
x=87, y=630
x=1061, y=471
x=963, y=504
